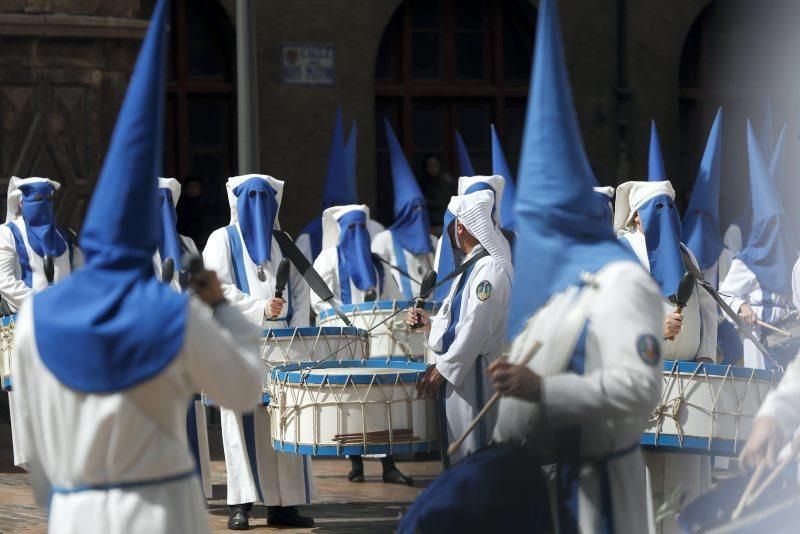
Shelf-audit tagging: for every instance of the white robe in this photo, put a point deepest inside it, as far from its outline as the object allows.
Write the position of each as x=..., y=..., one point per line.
x=732, y=240
x=698, y=338
x=781, y=403
x=327, y=265
x=200, y=438
x=283, y=479
x=417, y=265
x=137, y=435
x=479, y=340
x=608, y=405
x=15, y=292
x=741, y=286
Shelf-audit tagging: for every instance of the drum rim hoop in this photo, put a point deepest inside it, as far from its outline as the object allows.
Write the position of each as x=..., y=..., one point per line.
x=370, y=306
x=720, y=370
x=347, y=331
x=291, y=373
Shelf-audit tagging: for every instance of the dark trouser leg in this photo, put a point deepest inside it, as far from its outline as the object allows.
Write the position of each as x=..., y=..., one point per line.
x=356, y=473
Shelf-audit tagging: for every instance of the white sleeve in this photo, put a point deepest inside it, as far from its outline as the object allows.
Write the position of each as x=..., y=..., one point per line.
x=223, y=353
x=12, y=289
x=708, y=317
x=301, y=312
x=480, y=320
x=796, y=284
x=326, y=267
x=217, y=258
x=735, y=289
x=781, y=404
x=627, y=319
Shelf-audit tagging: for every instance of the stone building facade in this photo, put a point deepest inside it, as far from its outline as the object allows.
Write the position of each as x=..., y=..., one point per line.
x=64, y=66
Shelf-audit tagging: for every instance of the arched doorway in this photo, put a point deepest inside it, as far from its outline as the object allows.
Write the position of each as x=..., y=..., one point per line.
x=735, y=56
x=452, y=64
x=200, y=129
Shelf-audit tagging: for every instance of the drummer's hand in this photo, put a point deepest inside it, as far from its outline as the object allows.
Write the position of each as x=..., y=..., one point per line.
x=672, y=324
x=207, y=288
x=431, y=381
x=747, y=314
x=274, y=307
x=416, y=316
x=763, y=444
x=515, y=381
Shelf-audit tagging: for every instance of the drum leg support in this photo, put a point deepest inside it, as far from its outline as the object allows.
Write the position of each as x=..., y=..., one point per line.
x=391, y=474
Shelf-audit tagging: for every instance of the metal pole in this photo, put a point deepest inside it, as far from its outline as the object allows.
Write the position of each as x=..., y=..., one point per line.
x=246, y=88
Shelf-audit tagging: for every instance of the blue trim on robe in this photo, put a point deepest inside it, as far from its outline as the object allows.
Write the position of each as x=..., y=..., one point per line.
x=305, y=479
x=22, y=254
x=400, y=258
x=191, y=429
x=442, y=401
x=344, y=287
x=122, y=485
x=455, y=310
x=479, y=374
x=248, y=426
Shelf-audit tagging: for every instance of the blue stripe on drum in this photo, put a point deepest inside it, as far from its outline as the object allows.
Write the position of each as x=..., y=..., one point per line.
x=690, y=445
x=294, y=373
x=333, y=450
x=391, y=305
x=310, y=331
x=720, y=370
x=208, y=401
x=8, y=319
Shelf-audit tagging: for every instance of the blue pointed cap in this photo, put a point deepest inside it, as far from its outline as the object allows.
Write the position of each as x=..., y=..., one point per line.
x=499, y=166
x=655, y=161
x=701, y=231
x=558, y=220
x=339, y=191
x=766, y=137
x=464, y=163
x=777, y=165
x=350, y=160
x=770, y=252
x=406, y=188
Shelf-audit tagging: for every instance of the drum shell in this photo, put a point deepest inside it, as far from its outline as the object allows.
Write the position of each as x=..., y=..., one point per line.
x=713, y=407
x=306, y=417
x=391, y=340
x=7, y=324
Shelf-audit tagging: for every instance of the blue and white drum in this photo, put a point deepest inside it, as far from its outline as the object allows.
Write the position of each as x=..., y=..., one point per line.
x=339, y=408
x=706, y=408
x=6, y=344
x=280, y=346
x=392, y=339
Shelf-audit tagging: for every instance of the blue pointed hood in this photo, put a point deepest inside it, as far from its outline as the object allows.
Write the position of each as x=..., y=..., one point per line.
x=112, y=325
x=340, y=184
x=770, y=252
x=766, y=136
x=169, y=244
x=558, y=220
x=655, y=161
x=777, y=165
x=500, y=167
x=464, y=163
x=701, y=232
x=412, y=226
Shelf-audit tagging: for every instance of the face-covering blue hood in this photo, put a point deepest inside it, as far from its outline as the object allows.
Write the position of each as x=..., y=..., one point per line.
x=112, y=325
x=169, y=245
x=662, y=228
x=257, y=208
x=412, y=226
x=40, y=222
x=701, y=222
x=770, y=252
x=354, y=251
x=559, y=223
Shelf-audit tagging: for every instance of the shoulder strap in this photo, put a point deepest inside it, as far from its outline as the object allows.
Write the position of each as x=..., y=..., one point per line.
x=22, y=254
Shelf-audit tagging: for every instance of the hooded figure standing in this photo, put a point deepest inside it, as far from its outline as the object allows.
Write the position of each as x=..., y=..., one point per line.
x=408, y=243
x=355, y=276
x=758, y=285
x=34, y=251
x=246, y=257
x=107, y=361
x=172, y=247
x=582, y=402
x=340, y=188
x=468, y=332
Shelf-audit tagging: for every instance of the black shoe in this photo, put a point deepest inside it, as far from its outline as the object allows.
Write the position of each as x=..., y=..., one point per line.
x=394, y=476
x=356, y=473
x=287, y=516
x=240, y=516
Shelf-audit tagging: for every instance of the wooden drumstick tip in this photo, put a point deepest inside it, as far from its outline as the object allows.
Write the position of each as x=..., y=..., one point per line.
x=744, y=501
x=453, y=448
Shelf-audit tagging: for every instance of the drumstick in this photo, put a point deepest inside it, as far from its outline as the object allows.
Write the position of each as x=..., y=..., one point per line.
x=777, y=470
x=492, y=401
x=773, y=328
x=749, y=490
